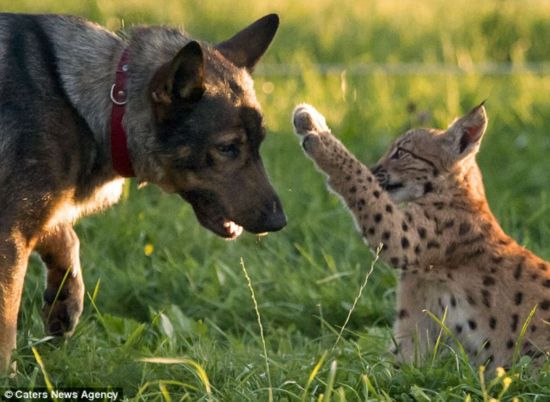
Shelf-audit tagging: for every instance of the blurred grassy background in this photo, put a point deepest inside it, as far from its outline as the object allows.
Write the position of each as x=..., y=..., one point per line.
x=374, y=68
x=343, y=32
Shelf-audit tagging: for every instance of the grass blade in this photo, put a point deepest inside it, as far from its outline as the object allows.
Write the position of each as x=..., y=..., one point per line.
x=330, y=382
x=313, y=374
x=361, y=288
x=198, y=369
x=258, y=317
x=40, y=362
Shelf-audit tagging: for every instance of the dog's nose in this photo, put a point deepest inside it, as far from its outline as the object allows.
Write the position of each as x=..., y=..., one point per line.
x=274, y=219
x=275, y=222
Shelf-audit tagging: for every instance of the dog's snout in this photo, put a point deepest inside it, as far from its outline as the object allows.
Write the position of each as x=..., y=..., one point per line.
x=271, y=218
x=274, y=222
x=274, y=218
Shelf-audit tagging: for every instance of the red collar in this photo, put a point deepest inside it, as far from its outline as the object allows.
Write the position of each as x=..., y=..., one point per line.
x=119, y=146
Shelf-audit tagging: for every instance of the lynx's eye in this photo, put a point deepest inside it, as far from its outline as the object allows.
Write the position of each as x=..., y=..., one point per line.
x=396, y=154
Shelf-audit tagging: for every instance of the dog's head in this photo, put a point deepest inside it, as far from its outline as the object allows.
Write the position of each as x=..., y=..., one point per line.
x=209, y=127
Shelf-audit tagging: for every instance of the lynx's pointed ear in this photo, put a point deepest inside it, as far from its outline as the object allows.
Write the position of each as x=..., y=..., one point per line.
x=464, y=135
x=182, y=78
x=247, y=46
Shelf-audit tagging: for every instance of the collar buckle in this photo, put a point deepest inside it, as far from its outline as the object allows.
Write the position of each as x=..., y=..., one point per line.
x=120, y=97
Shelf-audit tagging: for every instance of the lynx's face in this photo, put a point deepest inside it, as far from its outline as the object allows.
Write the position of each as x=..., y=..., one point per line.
x=423, y=161
x=411, y=166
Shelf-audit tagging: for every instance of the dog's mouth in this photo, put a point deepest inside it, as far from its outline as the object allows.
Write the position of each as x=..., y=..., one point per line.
x=215, y=216
x=232, y=229
x=212, y=216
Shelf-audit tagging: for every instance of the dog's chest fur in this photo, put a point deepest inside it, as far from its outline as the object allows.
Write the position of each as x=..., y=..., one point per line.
x=69, y=208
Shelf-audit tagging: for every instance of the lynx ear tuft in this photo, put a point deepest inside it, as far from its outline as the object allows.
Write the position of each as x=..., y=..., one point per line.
x=464, y=135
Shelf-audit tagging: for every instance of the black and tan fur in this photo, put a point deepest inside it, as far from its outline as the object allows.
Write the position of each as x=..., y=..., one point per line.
x=193, y=124
x=425, y=203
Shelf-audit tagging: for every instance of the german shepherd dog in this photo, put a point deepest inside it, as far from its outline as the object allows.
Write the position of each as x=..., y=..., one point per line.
x=185, y=117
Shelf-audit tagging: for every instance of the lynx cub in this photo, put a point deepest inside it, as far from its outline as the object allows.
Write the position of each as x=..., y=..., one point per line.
x=425, y=203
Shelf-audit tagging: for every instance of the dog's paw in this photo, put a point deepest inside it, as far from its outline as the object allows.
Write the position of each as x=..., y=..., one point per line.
x=61, y=313
x=307, y=120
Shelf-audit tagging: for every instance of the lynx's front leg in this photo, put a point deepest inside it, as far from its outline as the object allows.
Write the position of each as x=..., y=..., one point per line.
x=378, y=218
x=413, y=330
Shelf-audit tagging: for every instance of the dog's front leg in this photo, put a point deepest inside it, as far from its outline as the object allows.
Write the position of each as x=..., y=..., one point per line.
x=14, y=254
x=59, y=249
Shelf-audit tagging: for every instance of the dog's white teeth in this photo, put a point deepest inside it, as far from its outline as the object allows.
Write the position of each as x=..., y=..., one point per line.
x=238, y=230
x=262, y=234
x=233, y=229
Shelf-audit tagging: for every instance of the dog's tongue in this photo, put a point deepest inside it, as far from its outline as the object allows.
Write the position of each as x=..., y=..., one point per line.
x=233, y=229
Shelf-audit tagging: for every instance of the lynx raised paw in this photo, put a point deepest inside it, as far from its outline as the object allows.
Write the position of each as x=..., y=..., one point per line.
x=307, y=120
x=311, y=126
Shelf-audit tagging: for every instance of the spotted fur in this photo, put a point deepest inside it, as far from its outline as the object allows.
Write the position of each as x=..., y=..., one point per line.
x=424, y=202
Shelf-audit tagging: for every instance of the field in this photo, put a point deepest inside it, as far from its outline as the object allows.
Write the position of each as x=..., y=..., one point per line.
x=162, y=288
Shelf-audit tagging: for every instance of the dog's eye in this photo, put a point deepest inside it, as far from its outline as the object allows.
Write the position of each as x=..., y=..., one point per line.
x=228, y=150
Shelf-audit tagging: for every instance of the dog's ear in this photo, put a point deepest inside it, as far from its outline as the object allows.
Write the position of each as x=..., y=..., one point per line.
x=182, y=78
x=246, y=47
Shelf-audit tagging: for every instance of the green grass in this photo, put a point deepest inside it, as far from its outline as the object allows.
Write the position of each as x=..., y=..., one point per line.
x=189, y=300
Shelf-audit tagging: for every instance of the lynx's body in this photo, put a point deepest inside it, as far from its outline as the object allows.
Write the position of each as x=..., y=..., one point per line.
x=425, y=203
